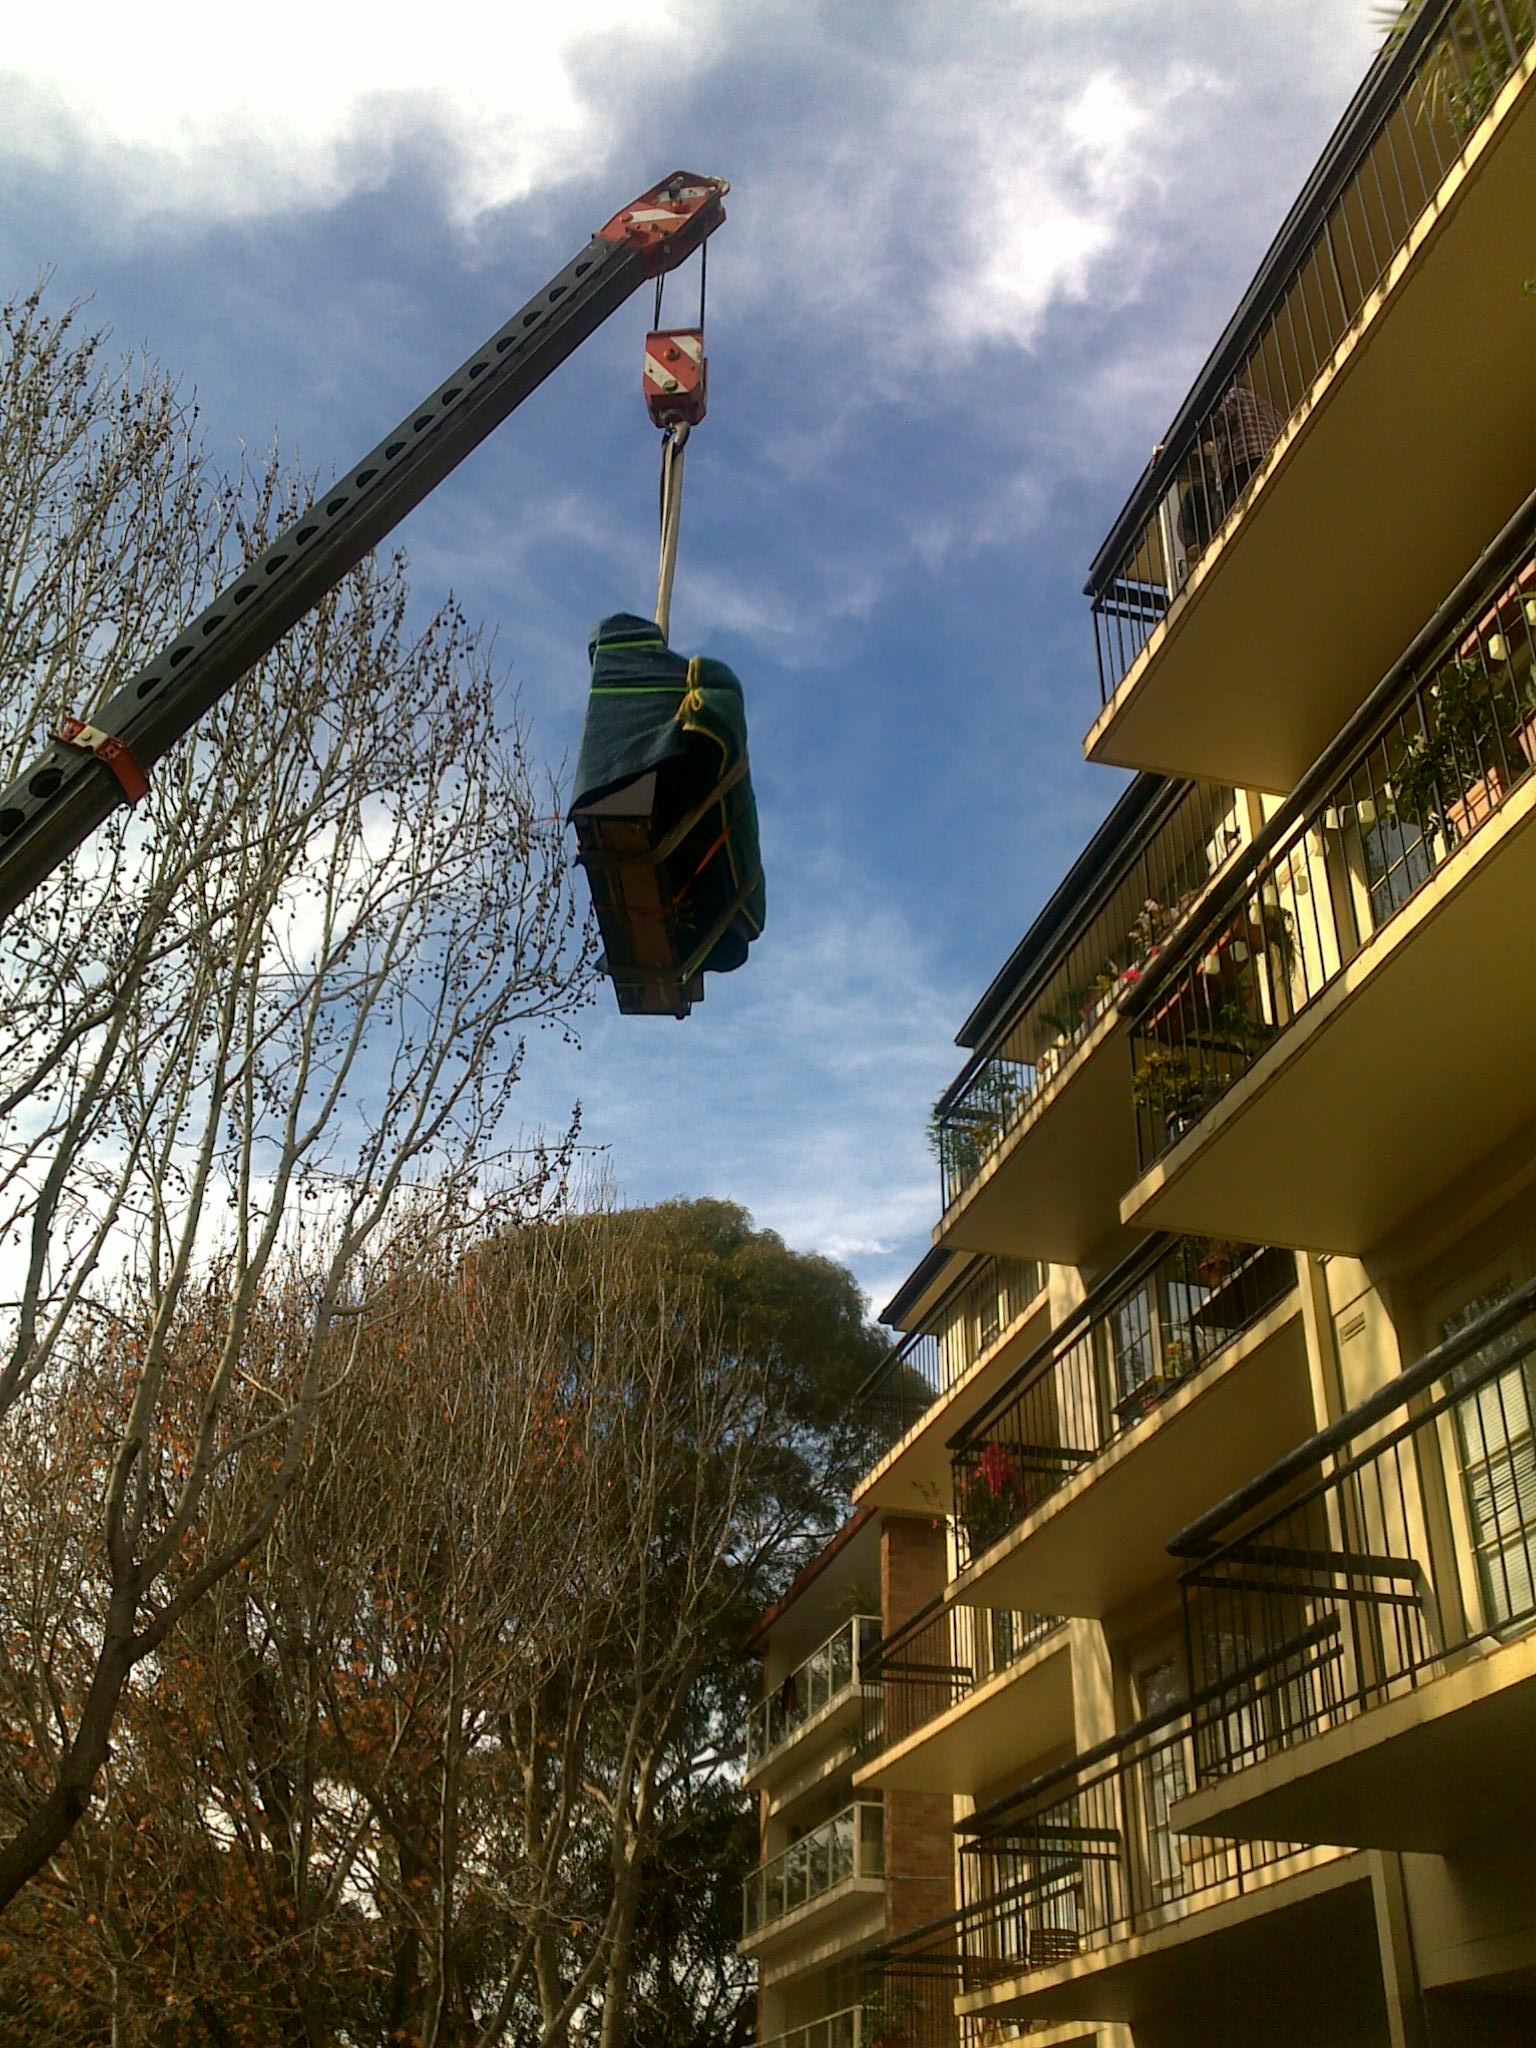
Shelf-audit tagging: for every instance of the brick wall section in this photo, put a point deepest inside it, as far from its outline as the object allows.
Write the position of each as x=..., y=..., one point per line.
x=911, y=1567
x=919, y=1841
x=919, y=1859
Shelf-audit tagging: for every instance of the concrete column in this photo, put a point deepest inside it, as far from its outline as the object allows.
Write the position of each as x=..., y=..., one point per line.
x=1394, y=1939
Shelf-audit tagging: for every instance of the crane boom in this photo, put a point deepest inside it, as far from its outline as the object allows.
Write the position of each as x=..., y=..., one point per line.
x=81, y=776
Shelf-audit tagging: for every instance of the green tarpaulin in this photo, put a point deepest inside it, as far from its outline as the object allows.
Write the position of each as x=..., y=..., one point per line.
x=653, y=710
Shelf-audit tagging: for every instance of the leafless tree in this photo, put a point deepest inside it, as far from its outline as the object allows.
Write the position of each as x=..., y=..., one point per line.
x=396, y=1779
x=236, y=1031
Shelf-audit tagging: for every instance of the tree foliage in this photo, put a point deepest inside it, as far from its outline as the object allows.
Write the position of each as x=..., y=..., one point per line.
x=379, y=1537
x=448, y=1760
x=236, y=1030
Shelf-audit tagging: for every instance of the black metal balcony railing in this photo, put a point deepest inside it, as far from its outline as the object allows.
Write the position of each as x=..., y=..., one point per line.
x=901, y=1389
x=1191, y=834
x=918, y=1976
x=965, y=1325
x=1415, y=1540
x=936, y=1659
x=1155, y=1321
x=1086, y=1854
x=1409, y=122
x=934, y=1965
x=1433, y=755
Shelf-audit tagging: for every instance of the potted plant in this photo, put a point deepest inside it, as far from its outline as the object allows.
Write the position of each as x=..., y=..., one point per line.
x=1067, y=1019
x=1451, y=772
x=1275, y=923
x=1236, y=1027
x=1176, y=1362
x=964, y=1136
x=885, y=2018
x=1467, y=65
x=1215, y=1258
x=1179, y=1358
x=994, y=1498
x=1168, y=1084
x=1153, y=923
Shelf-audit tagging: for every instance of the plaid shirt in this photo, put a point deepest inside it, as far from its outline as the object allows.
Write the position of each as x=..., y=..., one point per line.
x=1244, y=428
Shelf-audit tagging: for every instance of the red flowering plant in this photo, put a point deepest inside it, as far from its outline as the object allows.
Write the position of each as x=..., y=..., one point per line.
x=993, y=1499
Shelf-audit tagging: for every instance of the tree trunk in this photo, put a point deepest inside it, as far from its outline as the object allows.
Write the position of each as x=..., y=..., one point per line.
x=35, y=1844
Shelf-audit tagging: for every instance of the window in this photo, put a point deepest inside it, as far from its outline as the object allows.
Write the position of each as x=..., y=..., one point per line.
x=1496, y=1446
x=1397, y=860
x=1131, y=1339
x=1164, y=1781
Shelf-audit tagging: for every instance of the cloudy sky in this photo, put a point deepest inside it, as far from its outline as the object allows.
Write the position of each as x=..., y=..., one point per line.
x=974, y=256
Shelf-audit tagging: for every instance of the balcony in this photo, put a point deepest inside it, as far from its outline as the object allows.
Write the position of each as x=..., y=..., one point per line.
x=1081, y=1901
x=1033, y=1140
x=1365, y=1661
x=843, y=2029
x=1358, y=431
x=842, y=1859
x=970, y=1340
x=820, y=1697
x=1367, y=953
x=929, y=1969
x=946, y=1694
x=920, y=1973
x=1185, y=1368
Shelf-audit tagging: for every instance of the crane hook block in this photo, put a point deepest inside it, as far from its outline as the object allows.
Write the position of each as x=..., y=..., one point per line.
x=666, y=824
x=676, y=376
x=668, y=223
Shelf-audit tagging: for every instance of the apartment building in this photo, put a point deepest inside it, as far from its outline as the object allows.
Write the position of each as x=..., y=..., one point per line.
x=842, y=1868
x=1213, y=1402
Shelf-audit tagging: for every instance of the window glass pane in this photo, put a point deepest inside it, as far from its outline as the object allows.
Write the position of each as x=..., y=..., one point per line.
x=1131, y=1335
x=1497, y=1446
x=1397, y=860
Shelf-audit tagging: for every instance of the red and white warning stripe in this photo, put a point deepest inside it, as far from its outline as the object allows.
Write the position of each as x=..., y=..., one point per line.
x=675, y=376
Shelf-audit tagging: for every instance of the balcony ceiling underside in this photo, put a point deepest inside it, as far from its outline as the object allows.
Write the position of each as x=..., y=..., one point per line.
x=1258, y=1967
x=973, y=1746
x=1416, y=1064
x=1445, y=1768
x=1100, y=1541
x=1413, y=454
x=1049, y=1192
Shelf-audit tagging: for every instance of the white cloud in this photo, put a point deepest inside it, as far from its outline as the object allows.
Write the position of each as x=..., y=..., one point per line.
x=921, y=190
x=1058, y=193
x=237, y=113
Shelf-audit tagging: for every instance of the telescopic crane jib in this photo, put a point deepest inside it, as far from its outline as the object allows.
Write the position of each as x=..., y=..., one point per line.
x=95, y=764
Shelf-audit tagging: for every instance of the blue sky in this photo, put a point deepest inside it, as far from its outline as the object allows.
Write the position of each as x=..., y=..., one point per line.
x=974, y=257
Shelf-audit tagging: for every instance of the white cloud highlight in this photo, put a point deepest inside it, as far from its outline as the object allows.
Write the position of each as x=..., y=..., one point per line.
x=232, y=115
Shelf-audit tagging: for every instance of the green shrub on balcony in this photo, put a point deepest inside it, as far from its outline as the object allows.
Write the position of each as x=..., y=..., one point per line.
x=1167, y=1083
x=1471, y=724
x=1469, y=60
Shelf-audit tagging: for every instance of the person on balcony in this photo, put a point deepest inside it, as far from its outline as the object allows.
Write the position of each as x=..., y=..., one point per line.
x=1242, y=430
